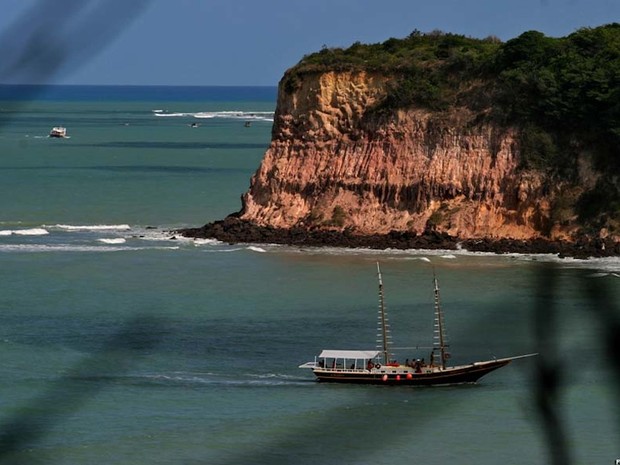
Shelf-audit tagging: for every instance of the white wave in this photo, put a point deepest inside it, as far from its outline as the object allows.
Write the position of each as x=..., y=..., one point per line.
x=37, y=248
x=448, y=256
x=603, y=275
x=57, y=248
x=161, y=235
x=172, y=115
x=227, y=114
x=256, y=249
x=24, y=232
x=206, y=241
x=606, y=264
x=94, y=227
x=245, y=115
x=115, y=240
x=224, y=250
x=157, y=235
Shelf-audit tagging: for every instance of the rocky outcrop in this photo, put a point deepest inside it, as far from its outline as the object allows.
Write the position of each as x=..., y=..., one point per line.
x=336, y=162
x=341, y=170
x=233, y=230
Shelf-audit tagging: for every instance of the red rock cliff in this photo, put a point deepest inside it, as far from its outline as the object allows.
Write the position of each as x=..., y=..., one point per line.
x=333, y=163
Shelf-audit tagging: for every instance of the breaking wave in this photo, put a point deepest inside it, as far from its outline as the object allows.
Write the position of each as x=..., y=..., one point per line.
x=38, y=248
x=232, y=114
x=115, y=240
x=96, y=227
x=24, y=232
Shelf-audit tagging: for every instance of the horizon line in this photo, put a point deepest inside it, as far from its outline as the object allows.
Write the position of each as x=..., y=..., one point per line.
x=136, y=85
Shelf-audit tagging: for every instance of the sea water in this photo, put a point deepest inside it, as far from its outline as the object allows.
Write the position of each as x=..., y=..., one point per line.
x=122, y=343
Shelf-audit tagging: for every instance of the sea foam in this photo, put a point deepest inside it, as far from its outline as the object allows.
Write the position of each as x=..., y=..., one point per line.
x=95, y=227
x=24, y=232
x=206, y=241
x=67, y=248
x=230, y=114
x=115, y=240
x=245, y=115
x=173, y=115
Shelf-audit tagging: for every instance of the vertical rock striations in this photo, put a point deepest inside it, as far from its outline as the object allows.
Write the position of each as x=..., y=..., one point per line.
x=336, y=161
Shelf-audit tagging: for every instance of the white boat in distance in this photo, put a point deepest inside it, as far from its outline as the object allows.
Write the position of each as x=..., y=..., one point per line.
x=378, y=367
x=58, y=132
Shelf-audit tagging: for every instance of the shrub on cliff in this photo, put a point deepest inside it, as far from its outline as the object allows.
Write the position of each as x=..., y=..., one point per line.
x=428, y=69
x=338, y=218
x=563, y=93
x=567, y=85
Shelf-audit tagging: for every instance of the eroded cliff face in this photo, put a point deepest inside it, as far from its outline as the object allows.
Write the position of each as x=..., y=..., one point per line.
x=335, y=163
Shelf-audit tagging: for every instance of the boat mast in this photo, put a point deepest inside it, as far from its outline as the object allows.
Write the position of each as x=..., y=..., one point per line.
x=439, y=336
x=383, y=326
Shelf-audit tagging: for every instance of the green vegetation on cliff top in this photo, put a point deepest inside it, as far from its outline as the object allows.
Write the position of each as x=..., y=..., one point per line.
x=562, y=93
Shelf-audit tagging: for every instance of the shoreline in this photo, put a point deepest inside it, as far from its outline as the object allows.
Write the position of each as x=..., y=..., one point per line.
x=232, y=230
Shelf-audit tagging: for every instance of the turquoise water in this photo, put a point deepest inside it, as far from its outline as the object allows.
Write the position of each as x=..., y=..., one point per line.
x=122, y=344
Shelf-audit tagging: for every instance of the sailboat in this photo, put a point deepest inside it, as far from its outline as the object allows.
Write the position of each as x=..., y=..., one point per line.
x=378, y=367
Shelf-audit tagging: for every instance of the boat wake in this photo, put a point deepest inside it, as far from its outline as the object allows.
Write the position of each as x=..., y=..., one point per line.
x=183, y=379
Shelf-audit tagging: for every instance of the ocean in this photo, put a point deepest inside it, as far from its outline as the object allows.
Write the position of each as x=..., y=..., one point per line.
x=122, y=343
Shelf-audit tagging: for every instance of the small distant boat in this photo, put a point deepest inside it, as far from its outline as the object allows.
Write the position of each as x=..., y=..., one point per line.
x=247, y=124
x=58, y=132
x=379, y=367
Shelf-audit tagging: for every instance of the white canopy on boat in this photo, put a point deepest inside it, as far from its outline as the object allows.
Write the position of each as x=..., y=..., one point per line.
x=349, y=354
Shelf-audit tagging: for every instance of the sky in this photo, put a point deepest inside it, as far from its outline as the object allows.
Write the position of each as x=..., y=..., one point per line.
x=242, y=42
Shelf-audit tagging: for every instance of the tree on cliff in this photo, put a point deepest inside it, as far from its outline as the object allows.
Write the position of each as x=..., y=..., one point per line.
x=563, y=94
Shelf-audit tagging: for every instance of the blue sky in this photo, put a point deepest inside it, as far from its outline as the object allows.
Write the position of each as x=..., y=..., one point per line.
x=243, y=42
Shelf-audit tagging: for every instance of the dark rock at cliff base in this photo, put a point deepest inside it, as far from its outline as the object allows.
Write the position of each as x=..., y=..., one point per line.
x=583, y=247
x=233, y=230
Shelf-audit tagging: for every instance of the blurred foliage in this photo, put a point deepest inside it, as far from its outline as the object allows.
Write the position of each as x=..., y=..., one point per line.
x=562, y=93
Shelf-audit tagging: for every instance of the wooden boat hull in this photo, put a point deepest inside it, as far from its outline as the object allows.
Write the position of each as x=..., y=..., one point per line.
x=450, y=375
x=378, y=366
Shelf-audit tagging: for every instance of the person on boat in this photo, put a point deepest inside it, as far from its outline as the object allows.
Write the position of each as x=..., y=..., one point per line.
x=417, y=366
x=369, y=365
